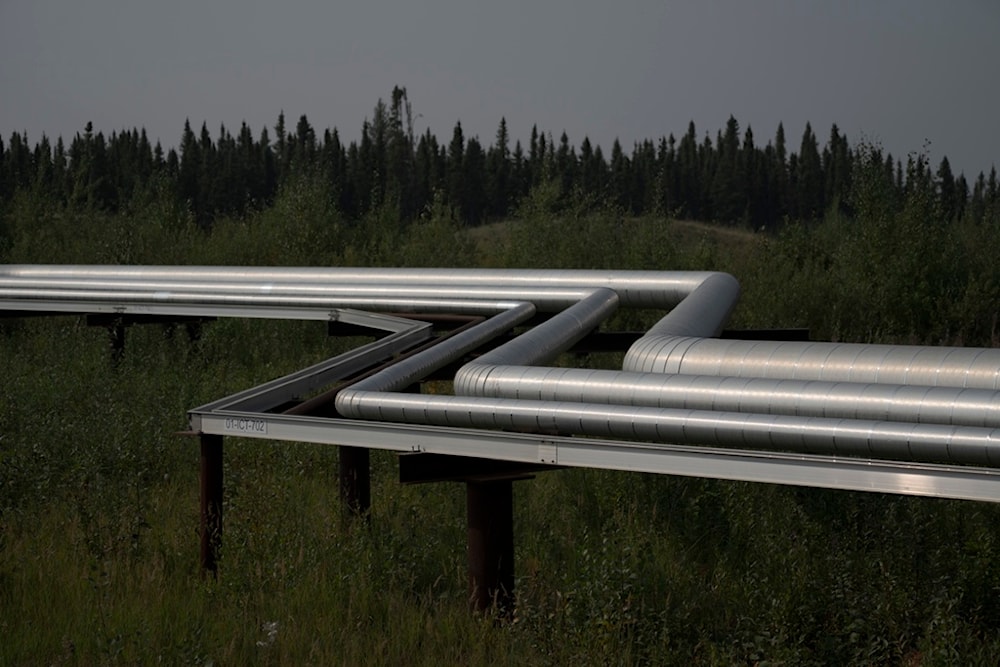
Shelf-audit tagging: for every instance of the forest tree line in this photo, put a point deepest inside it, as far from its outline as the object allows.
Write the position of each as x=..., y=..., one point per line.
x=730, y=179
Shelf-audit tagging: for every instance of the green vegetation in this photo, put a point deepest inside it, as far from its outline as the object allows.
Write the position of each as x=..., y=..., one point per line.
x=98, y=494
x=731, y=179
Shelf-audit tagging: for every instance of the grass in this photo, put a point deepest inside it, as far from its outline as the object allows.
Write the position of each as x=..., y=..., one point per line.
x=99, y=507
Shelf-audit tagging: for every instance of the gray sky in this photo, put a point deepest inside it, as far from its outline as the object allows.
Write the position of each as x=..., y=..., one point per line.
x=899, y=72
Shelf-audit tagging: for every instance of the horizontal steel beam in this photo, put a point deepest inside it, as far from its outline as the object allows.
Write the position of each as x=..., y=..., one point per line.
x=425, y=468
x=853, y=474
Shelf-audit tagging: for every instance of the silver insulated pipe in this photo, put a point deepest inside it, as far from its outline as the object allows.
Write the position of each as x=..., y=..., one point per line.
x=678, y=383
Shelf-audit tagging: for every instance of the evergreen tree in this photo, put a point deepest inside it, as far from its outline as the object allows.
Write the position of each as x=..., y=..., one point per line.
x=534, y=159
x=399, y=156
x=754, y=181
x=187, y=177
x=665, y=188
x=366, y=174
x=707, y=158
x=282, y=153
x=520, y=174
x=779, y=176
x=961, y=196
x=620, y=177
x=429, y=180
x=565, y=167
x=44, y=183
x=991, y=214
x=4, y=188
x=269, y=168
x=60, y=168
x=809, y=182
x=836, y=167
x=499, y=172
x=727, y=188
x=333, y=164
x=456, y=174
x=642, y=177
x=474, y=201
x=592, y=176
x=303, y=149
x=689, y=199
x=947, y=191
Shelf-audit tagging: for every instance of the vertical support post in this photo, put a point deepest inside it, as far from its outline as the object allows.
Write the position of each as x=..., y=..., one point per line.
x=355, y=482
x=116, y=336
x=490, y=506
x=211, y=502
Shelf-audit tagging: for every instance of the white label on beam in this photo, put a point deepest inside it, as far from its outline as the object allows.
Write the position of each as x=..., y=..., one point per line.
x=244, y=425
x=548, y=452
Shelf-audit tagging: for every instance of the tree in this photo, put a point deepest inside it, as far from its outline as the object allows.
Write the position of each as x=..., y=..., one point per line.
x=664, y=200
x=474, y=183
x=592, y=170
x=689, y=198
x=947, y=191
x=499, y=172
x=456, y=174
x=303, y=149
x=520, y=174
x=779, y=176
x=728, y=191
x=836, y=167
x=642, y=177
x=428, y=179
x=809, y=178
x=565, y=167
x=620, y=180
x=399, y=156
x=282, y=154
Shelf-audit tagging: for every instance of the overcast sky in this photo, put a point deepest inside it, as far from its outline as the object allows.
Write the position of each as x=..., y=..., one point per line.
x=907, y=74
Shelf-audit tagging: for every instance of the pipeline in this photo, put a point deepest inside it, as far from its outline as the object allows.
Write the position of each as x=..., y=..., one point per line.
x=678, y=384
x=833, y=362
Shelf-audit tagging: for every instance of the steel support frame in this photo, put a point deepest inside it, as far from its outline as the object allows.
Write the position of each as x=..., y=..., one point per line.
x=490, y=517
x=355, y=483
x=211, y=492
x=845, y=473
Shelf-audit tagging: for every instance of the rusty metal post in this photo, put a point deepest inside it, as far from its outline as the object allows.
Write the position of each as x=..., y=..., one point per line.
x=490, y=506
x=355, y=482
x=211, y=502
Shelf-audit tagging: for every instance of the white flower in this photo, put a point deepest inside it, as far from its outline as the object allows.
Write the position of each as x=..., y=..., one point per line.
x=270, y=628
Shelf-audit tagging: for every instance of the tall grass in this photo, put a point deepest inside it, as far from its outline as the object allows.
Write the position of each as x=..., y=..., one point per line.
x=99, y=507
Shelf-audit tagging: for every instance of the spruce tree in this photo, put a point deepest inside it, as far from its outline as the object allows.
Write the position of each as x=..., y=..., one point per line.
x=727, y=188
x=456, y=175
x=809, y=177
x=947, y=191
x=474, y=200
x=499, y=172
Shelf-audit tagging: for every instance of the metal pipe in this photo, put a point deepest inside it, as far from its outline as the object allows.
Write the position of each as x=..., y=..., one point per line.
x=839, y=437
x=411, y=369
x=973, y=368
x=539, y=344
x=704, y=312
x=879, y=379
x=547, y=299
x=636, y=289
x=84, y=299
x=844, y=400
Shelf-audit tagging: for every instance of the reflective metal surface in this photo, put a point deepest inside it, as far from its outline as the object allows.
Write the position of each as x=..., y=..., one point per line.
x=833, y=362
x=678, y=383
